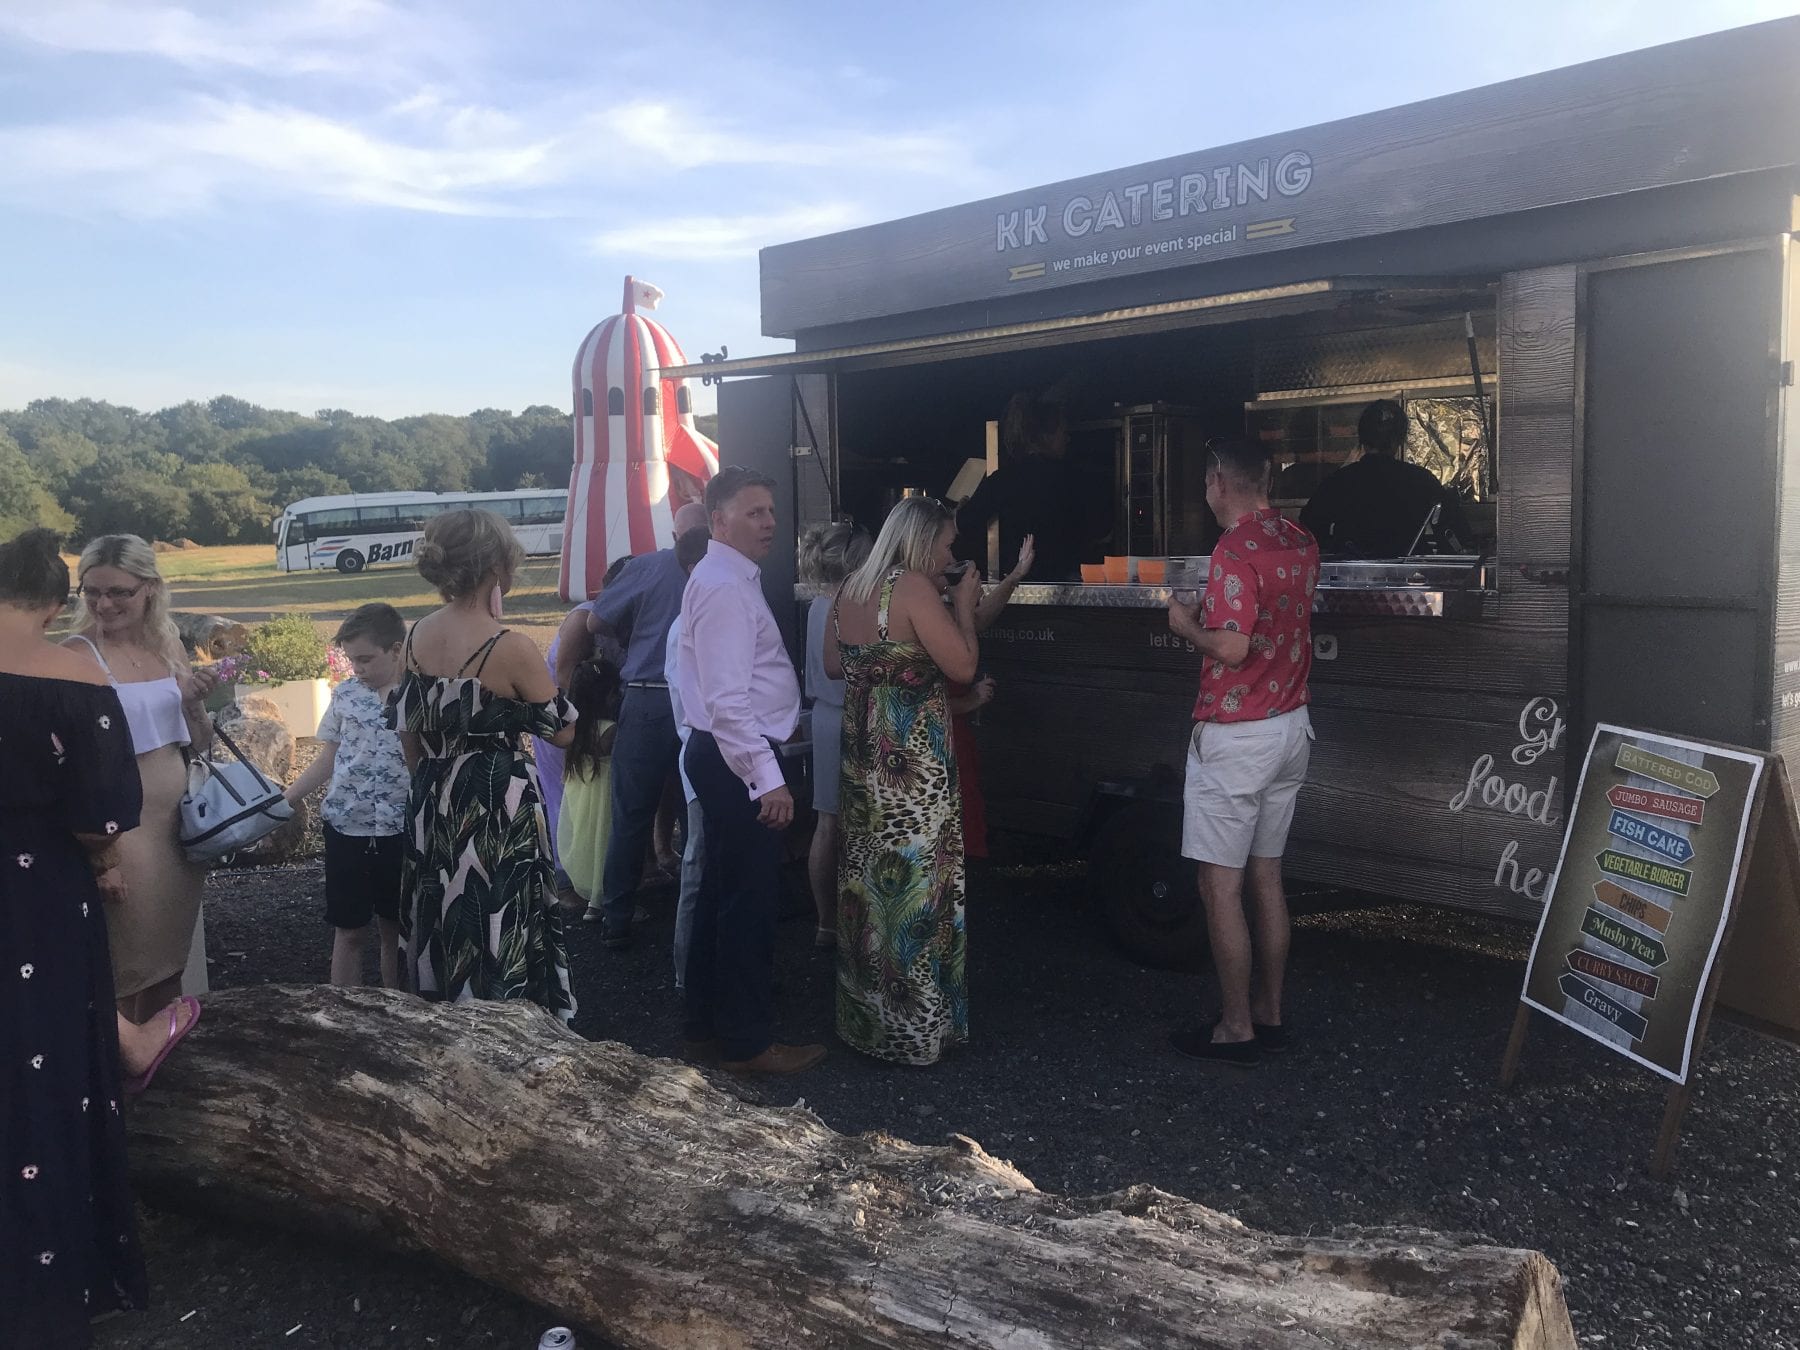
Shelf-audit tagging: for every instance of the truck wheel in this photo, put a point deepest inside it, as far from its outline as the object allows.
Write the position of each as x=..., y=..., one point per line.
x=1148, y=889
x=349, y=561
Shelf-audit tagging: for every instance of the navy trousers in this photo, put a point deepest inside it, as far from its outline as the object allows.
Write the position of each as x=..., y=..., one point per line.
x=644, y=750
x=731, y=954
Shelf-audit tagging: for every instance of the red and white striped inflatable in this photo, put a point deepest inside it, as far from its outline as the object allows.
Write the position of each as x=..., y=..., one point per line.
x=637, y=454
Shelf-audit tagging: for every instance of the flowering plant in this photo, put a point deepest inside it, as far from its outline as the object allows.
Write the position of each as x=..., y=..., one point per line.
x=240, y=670
x=287, y=648
x=337, y=665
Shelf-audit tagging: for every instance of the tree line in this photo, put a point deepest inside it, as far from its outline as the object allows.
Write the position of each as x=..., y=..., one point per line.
x=220, y=472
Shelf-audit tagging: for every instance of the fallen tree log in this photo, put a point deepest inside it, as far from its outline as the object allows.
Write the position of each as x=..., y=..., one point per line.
x=655, y=1208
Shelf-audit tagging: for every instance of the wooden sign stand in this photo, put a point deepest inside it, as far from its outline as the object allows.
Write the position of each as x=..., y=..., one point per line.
x=1766, y=898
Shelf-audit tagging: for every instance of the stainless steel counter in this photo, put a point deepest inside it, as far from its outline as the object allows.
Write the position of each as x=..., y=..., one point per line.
x=1425, y=588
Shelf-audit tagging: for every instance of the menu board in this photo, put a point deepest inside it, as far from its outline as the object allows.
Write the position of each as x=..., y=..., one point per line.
x=1642, y=895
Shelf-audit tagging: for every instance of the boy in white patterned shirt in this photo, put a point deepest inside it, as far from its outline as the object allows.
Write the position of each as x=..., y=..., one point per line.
x=366, y=811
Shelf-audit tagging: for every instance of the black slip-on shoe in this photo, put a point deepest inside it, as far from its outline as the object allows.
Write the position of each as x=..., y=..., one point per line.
x=1274, y=1039
x=1201, y=1046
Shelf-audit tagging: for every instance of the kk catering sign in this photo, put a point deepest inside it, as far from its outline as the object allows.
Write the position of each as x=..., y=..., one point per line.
x=1729, y=100
x=1642, y=896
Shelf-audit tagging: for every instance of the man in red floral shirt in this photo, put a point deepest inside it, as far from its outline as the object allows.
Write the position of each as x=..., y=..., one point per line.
x=1248, y=754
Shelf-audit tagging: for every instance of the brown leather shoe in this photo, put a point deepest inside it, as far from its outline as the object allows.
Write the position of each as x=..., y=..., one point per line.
x=777, y=1059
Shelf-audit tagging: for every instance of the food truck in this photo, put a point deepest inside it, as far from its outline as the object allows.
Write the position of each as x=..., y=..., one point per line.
x=1582, y=288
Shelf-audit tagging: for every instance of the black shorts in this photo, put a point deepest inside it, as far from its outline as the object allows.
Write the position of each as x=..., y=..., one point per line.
x=362, y=878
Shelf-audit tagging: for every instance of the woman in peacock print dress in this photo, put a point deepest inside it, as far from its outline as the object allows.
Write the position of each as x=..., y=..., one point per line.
x=478, y=909
x=901, y=990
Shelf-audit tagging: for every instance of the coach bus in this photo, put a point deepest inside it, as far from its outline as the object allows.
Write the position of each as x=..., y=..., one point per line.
x=356, y=530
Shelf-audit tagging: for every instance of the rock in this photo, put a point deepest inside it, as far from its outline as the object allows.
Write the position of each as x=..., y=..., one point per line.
x=207, y=637
x=256, y=727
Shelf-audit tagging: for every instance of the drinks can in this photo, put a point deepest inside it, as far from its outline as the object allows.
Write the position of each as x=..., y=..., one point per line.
x=557, y=1338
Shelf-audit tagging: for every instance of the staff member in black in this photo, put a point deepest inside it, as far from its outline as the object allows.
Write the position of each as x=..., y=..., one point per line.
x=1035, y=492
x=1378, y=506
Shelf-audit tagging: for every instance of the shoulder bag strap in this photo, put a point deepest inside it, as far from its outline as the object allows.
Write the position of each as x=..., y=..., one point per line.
x=243, y=759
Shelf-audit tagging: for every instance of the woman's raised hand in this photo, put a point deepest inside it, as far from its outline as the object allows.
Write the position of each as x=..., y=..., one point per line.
x=1027, y=556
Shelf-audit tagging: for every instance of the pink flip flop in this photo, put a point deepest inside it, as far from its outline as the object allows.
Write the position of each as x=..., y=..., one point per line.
x=135, y=1086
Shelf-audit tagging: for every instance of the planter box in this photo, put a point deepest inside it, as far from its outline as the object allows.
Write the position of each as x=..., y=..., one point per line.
x=301, y=702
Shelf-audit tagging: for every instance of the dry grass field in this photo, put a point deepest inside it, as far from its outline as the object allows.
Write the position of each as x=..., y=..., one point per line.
x=242, y=583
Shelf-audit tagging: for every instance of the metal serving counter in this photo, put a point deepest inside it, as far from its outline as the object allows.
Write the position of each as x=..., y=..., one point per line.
x=1438, y=587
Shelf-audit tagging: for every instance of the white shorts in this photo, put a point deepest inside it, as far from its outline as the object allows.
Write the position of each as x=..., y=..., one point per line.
x=1242, y=779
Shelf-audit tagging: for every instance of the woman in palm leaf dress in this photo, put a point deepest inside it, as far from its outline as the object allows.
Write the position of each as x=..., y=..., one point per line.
x=901, y=993
x=479, y=912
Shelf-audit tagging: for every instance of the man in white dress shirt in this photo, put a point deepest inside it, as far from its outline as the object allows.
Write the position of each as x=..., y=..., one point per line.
x=690, y=548
x=741, y=699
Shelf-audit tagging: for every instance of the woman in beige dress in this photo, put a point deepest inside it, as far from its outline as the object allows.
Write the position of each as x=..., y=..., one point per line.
x=123, y=624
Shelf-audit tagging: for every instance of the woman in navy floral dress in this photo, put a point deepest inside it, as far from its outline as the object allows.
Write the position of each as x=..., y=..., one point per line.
x=68, y=790
x=478, y=907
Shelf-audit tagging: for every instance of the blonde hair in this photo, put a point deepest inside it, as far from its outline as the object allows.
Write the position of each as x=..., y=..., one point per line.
x=462, y=549
x=132, y=556
x=829, y=553
x=907, y=538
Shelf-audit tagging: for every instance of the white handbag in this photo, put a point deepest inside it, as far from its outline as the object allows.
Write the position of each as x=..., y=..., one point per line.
x=228, y=807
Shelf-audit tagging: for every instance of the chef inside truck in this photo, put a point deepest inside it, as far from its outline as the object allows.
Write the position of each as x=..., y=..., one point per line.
x=1380, y=506
x=1037, y=490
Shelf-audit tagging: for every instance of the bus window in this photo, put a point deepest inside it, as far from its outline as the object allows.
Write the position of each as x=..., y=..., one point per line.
x=378, y=519
x=413, y=517
x=296, y=531
x=545, y=510
x=321, y=523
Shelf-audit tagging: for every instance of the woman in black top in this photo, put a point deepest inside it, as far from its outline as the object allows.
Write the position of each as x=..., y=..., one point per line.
x=68, y=791
x=1034, y=492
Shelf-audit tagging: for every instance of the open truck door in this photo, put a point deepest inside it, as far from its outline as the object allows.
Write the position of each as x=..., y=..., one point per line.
x=782, y=425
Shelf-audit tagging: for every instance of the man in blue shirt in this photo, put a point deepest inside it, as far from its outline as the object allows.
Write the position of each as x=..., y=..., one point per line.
x=636, y=610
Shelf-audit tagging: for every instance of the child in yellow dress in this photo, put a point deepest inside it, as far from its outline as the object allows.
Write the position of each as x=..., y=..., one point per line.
x=585, y=821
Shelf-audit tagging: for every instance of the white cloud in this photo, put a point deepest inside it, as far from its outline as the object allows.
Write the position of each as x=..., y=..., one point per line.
x=707, y=238
x=316, y=37
x=154, y=166
x=430, y=154
x=675, y=137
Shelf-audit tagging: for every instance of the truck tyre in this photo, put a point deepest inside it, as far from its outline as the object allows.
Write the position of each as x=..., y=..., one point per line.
x=349, y=561
x=1148, y=890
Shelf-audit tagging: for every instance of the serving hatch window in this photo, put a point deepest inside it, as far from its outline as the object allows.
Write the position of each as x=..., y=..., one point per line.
x=1140, y=407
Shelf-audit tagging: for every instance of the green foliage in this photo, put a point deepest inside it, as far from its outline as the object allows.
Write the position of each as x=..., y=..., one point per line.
x=25, y=502
x=288, y=648
x=219, y=472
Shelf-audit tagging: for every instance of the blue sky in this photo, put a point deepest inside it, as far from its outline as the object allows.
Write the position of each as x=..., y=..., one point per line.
x=396, y=207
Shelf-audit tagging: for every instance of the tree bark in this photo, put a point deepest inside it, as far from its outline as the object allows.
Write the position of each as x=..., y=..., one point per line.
x=651, y=1206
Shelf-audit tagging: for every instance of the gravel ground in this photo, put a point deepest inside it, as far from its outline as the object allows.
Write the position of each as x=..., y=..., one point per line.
x=1387, y=1112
